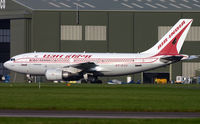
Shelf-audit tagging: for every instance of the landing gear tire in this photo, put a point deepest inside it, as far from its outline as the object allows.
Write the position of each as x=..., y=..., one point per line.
x=83, y=81
x=94, y=80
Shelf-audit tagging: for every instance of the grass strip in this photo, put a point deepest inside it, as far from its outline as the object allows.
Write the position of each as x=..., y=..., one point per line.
x=102, y=97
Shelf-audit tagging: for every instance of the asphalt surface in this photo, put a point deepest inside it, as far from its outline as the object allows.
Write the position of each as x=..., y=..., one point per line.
x=95, y=114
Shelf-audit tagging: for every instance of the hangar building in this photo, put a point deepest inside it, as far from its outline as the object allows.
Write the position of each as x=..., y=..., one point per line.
x=97, y=26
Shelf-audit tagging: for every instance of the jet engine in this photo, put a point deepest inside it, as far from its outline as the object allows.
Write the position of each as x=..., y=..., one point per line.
x=58, y=74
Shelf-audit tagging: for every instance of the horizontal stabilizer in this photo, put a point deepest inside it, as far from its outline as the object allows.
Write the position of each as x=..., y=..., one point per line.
x=192, y=57
x=171, y=59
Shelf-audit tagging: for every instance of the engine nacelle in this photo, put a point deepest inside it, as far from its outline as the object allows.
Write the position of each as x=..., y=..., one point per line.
x=53, y=74
x=58, y=74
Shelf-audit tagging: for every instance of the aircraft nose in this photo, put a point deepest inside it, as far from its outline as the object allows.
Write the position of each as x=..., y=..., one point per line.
x=6, y=64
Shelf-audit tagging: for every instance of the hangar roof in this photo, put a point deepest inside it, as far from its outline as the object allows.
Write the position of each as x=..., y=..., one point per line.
x=112, y=5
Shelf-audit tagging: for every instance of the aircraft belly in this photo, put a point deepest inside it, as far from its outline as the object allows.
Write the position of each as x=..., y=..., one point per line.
x=19, y=68
x=36, y=69
x=113, y=70
x=40, y=69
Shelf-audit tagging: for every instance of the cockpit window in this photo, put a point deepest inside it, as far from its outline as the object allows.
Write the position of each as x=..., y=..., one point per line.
x=12, y=59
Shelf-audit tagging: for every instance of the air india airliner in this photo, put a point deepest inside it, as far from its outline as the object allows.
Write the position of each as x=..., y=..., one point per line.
x=59, y=66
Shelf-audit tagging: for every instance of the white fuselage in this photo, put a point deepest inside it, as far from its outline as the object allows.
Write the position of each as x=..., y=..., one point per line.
x=109, y=64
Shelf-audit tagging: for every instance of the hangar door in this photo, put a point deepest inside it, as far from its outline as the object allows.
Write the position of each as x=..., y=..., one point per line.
x=190, y=69
x=151, y=77
x=4, y=44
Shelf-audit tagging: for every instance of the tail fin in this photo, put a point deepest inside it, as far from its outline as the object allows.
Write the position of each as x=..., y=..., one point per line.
x=172, y=42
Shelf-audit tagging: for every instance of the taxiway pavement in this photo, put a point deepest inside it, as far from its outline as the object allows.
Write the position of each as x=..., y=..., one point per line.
x=95, y=114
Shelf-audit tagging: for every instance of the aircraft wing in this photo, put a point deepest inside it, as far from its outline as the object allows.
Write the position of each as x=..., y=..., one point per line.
x=85, y=66
x=81, y=67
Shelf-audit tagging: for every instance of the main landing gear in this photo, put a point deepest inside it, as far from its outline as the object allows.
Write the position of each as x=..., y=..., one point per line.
x=91, y=79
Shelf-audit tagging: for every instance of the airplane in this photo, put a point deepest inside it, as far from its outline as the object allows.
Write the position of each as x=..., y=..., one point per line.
x=87, y=67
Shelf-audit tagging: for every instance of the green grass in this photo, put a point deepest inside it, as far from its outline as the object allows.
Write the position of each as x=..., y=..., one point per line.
x=95, y=121
x=100, y=97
